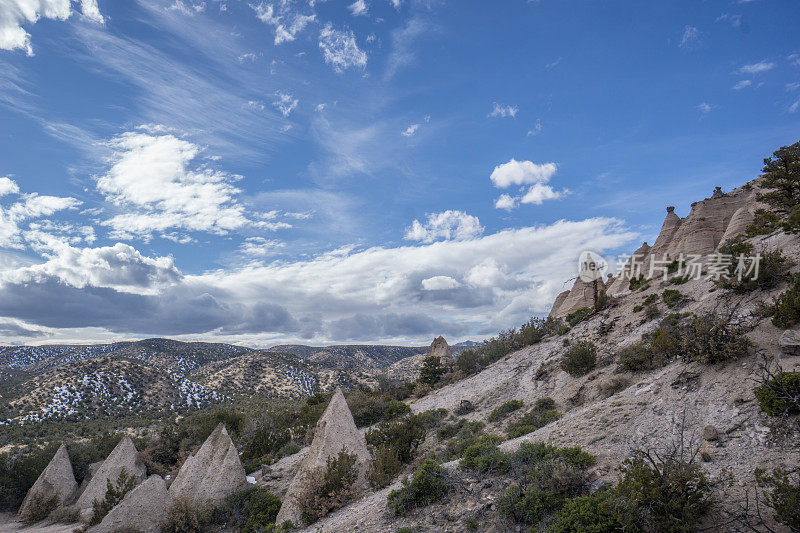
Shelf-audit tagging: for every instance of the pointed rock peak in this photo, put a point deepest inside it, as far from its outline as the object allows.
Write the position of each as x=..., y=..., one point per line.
x=57, y=481
x=671, y=209
x=123, y=457
x=145, y=508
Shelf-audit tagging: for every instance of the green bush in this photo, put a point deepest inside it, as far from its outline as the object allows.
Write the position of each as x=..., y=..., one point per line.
x=249, y=511
x=115, y=492
x=780, y=395
x=638, y=283
x=786, y=312
x=428, y=484
x=563, y=330
x=651, y=299
x=636, y=357
x=782, y=494
x=542, y=413
x=461, y=435
x=712, y=341
x=432, y=370
x=485, y=458
x=329, y=488
x=574, y=318
x=764, y=223
x=405, y=434
x=580, y=359
x=663, y=494
x=596, y=513
x=651, y=311
x=39, y=507
x=637, y=308
x=772, y=268
x=504, y=410
x=184, y=518
x=680, y=280
x=671, y=297
x=384, y=467
x=18, y=473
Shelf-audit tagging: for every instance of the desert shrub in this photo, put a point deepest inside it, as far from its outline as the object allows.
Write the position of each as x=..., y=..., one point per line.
x=428, y=484
x=612, y=386
x=651, y=299
x=504, y=410
x=786, y=312
x=39, y=508
x=115, y=492
x=712, y=341
x=596, y=513
x=384, y=467
x=542, y=413
x=249, y=511
x=432, y=417
x=266, y=439
x=779, y=394
x=548, y=478
x=580, y=359
x=782, y=494
x=462, y=434
x=764, y=223
x=637, y=308
x=185, y=518
x=772, y=268
x=665, y=342
x=563, y=330
x=405, y=434
x=18, y=473
x=574, y=318
x=367, y=408
x=651, y=311
x=671, y=297
x=329, y=488
x=396, y=409
x=638, y=283
x=663, y=494
x=485, y=457
x=432, y=370
x=471, y=524
x=66, y=515
x=636, y=357
x=680, y=280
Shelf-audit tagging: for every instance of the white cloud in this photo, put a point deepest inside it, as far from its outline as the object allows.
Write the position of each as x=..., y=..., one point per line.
x=503, y=111
x=756, y=68
x=187, y=8
x=487, y=273
x=690, y=37
x=522, y=173
x=795, y=106
x=794, y=59
x=285, y=103
x=16, y=13
x=26, y=208
x=733, y=20
x=358, y=8
x=151, y=181
x=705, y=108
x=403, y=40
x=340, y=50
x=396, y=3
x=286, y=21
x=410, y=131
x=539, y=192
x=536, y=130
x=249, y=56
x=793, y=86
x=505, y=201
x=448, y=225
x=742, y=84
x=439, y=283
x=260, y=247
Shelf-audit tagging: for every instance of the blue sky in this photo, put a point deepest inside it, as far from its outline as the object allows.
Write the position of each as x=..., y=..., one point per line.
x=372, y=171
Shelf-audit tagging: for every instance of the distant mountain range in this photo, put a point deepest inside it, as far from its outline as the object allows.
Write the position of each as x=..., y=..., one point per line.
x=117, y=379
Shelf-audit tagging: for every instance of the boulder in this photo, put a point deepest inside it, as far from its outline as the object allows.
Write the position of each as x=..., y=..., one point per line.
x=123, y=457
x=789, y=342
x=212, y=474
x=335, y=431
x=144, y=509
x=439, y=348
x=55, y=485
x=710, y=433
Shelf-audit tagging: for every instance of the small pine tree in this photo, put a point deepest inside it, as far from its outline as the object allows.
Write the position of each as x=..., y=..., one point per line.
x=782, y=176
x=432, y=370
x=114, y=495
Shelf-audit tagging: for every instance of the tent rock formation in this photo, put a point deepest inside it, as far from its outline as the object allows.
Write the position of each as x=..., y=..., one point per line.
x=335, y=430
x=145, y=509
x=124, y=456
x=439, y=348
x=57, y=480
x=212, y=474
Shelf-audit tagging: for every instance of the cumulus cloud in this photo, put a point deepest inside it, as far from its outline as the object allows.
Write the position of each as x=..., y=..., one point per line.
x=17, y=215
x=410, y=131
x=439, y=283
x=284, y=17
x=503, y=111
x=155, y=187
x=16, y=13
x=447, y=225
x=538, y=193
x=358, y=8
x=505, y=201
x=521, y=173
x=756, y=68
x=285, y=103
x=340, y=50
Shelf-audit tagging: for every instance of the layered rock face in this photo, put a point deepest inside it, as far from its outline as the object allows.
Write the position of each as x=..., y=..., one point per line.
x=580, y=295
x=144, y=509
x=123, y=457
x=335, y=431
x=439, y=348
x=56, y=482
x=212, y=474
